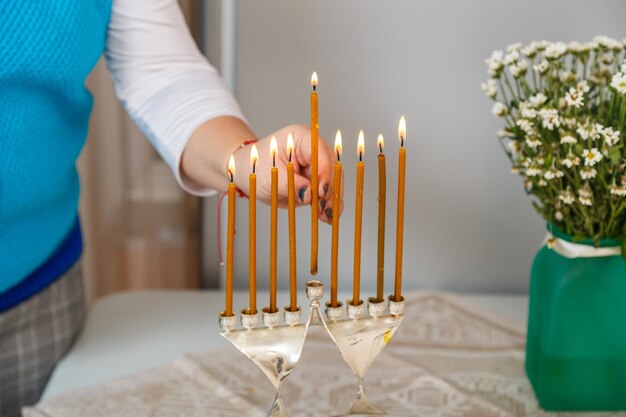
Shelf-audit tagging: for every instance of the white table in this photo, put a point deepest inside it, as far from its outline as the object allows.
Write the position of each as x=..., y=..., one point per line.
x=132, y=331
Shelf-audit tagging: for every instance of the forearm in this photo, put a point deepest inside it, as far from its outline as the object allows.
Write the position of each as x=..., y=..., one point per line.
x=205, y=158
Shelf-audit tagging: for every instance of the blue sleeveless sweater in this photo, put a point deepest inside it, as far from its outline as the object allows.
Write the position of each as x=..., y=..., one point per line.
x=47, y=49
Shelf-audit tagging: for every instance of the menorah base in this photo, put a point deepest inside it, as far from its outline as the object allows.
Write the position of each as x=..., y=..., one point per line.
x=361, y=405
x=278, y=408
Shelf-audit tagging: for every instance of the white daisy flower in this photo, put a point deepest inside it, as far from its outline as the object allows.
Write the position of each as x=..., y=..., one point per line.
x=570, y=160
x=527, y=111
x=585, y=195
x=574, y=98
x=494, y=63
x=611, y=137
x=583, y=86
x=514, y=146
x=511, y=57
x=567, y=197
x=518, y=69
x=533, y=143
x=542, y=183
x=542, y=44
x=490, y=88
x=514, y=47
x=555, y=50
x=608, y=43
x=618, y=82
x=549, y=118
x=526, y=125
x=499, y=109
x=587, y=173
x=618, y=190
x=607, y=58
x=588, y=46
x=575, y=47
x=592, y=156
x=567, y=139
x=528, y=185
x=542, y=67
x=534, y=171
x=567, y=76
x=552, y=173
x=558, y=215
x=570, y=122
x=589, y=131
x=537, y=100
x=505, y=133
x=531, y=50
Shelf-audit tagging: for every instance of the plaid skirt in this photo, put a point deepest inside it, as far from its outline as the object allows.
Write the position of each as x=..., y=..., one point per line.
x=34, y=335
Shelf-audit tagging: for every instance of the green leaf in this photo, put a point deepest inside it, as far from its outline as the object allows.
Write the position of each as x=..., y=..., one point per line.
x=578, y=237
x=615, y=155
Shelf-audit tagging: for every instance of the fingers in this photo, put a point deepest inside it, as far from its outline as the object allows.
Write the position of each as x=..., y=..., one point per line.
x=327, y=209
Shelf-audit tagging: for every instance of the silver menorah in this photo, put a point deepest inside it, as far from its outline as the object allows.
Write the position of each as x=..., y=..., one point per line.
x=275, y=349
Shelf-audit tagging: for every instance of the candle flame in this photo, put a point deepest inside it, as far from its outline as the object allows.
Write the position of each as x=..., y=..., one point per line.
x=314, y=80
x=360, y=146
x=254, y=157
x=402, y=131
x=231, y=167
x=273, y=149
x=380, y=142
x=290, y=146
x=338, y=144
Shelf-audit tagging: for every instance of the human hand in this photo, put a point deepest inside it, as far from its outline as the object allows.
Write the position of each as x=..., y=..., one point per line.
x=302, y=170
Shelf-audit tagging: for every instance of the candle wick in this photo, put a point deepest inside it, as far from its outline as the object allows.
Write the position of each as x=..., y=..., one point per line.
x=290, y=155
x=274, y=160
x=402, y=141
x=314, y=87
x=254, y=166
x=360, y=156
x=231, y=175
x=338, y=156
x=380, y=148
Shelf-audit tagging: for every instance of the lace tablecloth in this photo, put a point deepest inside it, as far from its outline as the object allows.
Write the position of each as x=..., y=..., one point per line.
x=449, y=358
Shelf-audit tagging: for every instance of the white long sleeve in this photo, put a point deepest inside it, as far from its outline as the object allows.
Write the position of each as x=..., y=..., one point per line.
x=166, y=85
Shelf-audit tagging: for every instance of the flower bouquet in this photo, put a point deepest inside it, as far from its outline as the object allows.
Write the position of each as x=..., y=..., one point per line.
x=564, y=112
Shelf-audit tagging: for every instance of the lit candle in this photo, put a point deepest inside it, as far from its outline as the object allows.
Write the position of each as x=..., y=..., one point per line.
x=358, y=222
x=254, y=158
x=230, y=245
x=314, y=174
x=273, y=224
x=400, y=216
x=291, y=201
x=382, y=201
x=335, y=221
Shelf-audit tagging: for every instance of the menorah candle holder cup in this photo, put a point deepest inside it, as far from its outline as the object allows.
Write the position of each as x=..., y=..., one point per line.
x=355, y=312
x=396, y=308
x=227, y=323
x=375, y=307
x=275, y=348
x=361, y=338
x=334, y=313
x=249, y=321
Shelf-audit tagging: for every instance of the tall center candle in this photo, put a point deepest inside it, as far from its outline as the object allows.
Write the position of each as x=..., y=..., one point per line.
x=254, y=158
x=314, y=175
x=291, y=204
x=358, y=222
x=273, y=225
x=397, y=295
x=335, y=222
x=230, y=239
x=382, y=202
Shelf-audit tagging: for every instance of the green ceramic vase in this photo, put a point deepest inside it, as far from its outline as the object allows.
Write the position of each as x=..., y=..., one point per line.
x=576, y=343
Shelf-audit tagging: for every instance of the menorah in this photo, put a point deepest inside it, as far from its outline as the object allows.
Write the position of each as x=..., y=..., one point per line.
x=276, y=348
